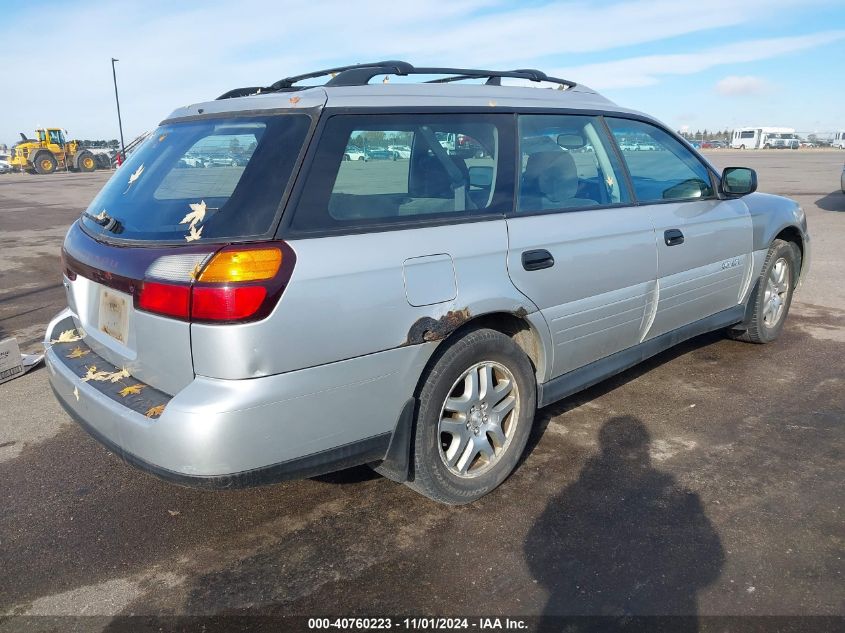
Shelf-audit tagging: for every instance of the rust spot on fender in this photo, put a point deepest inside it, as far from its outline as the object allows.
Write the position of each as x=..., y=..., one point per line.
x=429, y=329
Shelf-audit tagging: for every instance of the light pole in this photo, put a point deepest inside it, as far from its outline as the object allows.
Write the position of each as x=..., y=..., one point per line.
x=117, y=101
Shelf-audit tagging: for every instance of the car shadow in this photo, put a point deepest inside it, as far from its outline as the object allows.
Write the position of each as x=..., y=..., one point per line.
x=834, y=201
x=623, y=540
x=544, y=416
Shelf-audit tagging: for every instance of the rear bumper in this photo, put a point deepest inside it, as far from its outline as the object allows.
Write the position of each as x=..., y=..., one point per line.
x=234, y=433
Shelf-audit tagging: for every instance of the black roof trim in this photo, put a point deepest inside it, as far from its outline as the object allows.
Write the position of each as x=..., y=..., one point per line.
x=361, y=74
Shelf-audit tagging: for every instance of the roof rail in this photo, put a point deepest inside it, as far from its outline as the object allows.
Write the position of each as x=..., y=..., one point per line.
x=361, y=74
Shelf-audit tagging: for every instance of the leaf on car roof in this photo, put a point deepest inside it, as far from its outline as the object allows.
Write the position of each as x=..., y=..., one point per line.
x=154, y=412
x=295, y=100
x=68, y=336
x=194, y=234
x=196, y=215
x=78, y=352
x=132, y=390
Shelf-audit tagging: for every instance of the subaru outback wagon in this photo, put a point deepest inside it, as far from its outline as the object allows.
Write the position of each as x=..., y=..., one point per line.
x=296, y=313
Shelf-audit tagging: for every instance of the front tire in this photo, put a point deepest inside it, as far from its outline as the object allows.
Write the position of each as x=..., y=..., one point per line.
x=474, y=418
x=45, y=163
x=772, y=295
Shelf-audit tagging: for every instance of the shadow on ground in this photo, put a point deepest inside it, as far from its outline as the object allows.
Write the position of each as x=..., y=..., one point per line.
x=834, y=201
x=624, y=539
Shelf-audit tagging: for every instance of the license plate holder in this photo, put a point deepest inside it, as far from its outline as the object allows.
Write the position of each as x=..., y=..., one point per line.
x=114, y=315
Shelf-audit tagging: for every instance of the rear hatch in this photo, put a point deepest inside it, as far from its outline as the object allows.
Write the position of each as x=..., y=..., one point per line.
x=134, y=262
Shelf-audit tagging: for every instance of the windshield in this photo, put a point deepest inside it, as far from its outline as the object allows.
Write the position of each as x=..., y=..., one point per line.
x=212, y=179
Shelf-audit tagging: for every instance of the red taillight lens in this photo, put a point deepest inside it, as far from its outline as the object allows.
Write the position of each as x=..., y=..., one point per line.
x=167, y=299
x=228, y=303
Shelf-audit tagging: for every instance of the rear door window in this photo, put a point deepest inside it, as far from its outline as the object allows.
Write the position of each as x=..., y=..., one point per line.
x=567, y=163
x=390, y=169
x=210, y=179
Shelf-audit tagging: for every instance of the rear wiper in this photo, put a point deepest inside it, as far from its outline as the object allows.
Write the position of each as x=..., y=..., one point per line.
x=108, y=223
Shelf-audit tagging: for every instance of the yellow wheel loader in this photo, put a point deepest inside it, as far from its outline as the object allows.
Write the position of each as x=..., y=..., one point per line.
x=50, y=152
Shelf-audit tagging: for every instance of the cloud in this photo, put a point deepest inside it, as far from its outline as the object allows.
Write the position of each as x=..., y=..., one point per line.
x=742, y=86
x=172, y=54
x=642, y=71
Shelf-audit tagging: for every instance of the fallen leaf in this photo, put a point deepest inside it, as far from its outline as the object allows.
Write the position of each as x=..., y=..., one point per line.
x=68, y=336
x=78, y=352
x=76, y=392
x=196, y=271
x=491, y=103
x=295, y=100
x=134, y=389
x=93, y=374
x=196, y=215
x=135, y=175
x=174, y=513
x=102, y=215
x=193, y=234
x=162, y=137
x=154, y=412
x=118, y=375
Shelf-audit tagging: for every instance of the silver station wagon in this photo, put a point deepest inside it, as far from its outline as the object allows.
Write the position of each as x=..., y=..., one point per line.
x=246, y=303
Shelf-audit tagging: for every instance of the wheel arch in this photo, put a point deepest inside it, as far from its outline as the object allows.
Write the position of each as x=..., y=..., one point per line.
x=523, y=328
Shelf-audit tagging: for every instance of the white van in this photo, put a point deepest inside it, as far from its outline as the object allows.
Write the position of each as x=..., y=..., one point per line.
x=838, y=140
x=764, y=137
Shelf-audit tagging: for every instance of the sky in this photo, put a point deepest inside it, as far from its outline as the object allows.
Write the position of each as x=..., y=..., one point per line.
x=716, y=64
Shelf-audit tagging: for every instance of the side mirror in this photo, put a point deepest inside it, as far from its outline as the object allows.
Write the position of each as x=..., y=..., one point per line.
x=481, y=176
x=738, y=181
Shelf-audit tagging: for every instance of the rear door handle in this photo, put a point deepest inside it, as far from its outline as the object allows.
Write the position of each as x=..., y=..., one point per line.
x=537, y=259
x=673, y=237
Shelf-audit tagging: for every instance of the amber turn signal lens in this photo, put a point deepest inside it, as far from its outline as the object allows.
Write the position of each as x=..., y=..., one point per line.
x=232, y=266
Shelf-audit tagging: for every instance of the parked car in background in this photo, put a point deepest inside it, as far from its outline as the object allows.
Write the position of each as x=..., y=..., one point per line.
x=646, y=146
x=401, y=151
x=305, y=314
x=380, y=153
x=5, y=167
x=353, y=152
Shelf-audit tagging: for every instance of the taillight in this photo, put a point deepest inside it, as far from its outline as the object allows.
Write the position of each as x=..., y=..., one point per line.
x=232, y=303
x=237, y=283
x=167, y=299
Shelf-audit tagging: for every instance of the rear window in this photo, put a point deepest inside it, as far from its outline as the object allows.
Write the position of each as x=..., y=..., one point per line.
x=212, y=179
x=373, y=170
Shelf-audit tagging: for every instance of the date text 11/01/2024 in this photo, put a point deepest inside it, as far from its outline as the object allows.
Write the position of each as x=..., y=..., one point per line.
x=418, y=623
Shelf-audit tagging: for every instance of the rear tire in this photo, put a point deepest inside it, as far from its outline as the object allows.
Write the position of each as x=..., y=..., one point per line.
x=86, y=162
x=772, y=294
x=474, y=417
x=45, y=163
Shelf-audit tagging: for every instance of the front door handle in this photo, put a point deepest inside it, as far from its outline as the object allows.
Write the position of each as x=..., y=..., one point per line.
x=537, y=259
x=673, y=237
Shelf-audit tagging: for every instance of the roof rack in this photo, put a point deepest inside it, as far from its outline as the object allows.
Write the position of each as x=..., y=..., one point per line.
x=361, y=74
